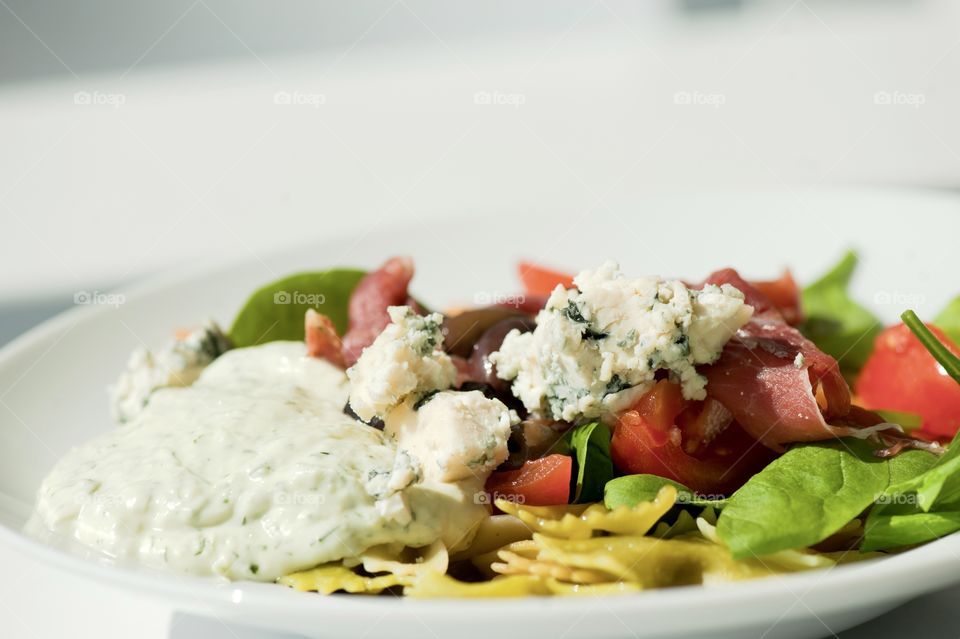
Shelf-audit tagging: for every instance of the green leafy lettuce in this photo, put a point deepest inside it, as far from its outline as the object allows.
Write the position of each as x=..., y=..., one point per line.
x=631, y=490
x=590, y=446
x=275, y=311
x=810, y=493
x=836, y=323
x=917, y=509
x=949, y=320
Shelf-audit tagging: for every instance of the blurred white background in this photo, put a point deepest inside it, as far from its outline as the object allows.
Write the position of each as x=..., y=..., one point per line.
x=141, y=136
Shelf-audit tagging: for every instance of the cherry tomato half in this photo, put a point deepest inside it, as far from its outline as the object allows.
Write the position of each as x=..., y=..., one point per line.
x=538, y=280
x=902, y=375
x=539, y=482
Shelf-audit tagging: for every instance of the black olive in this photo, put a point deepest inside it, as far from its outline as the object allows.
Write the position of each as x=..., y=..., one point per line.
x=376, y=422
x=532, y=439
x=481, y=370
x=462, y=331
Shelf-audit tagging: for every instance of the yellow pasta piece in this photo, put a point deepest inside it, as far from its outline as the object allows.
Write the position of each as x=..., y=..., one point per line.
x=433, y=558
x=514, y=564
x=613, y=588
x=430, y=584
x=852, y=556
x=568, y=525
x=494, y=533
x=331, y=578
x=483, y=563
x=650, y=562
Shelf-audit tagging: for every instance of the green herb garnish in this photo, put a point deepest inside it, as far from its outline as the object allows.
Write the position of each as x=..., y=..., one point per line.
x=949, y=361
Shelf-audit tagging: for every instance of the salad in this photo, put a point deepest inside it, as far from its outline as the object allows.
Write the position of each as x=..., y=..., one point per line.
x=598, y=433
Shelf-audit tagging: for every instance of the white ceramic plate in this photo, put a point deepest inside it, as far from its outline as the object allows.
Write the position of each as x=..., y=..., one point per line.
x=53, y=379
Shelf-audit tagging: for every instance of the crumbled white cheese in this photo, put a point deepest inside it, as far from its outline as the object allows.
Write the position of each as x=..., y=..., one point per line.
x=800, y=361
x=404, y=361
x=600, y=344
x=452, y=435
x=178, y=364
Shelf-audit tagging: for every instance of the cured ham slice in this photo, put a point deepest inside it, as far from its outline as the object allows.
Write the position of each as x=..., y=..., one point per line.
x=768, y=376
x=378, y=290
x=785, y=296
x=322, y=339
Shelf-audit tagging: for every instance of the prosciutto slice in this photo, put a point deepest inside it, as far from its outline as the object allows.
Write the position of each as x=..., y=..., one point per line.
x=322, y=339
x=768, y=377
x=378, y=290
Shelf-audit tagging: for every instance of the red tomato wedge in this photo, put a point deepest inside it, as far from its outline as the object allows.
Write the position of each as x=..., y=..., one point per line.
x=539, y=482
x=648, y=440
x=538, y=280
x=902, y=375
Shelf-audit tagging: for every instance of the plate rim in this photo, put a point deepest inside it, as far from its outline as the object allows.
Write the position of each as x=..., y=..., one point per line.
x=930, y=565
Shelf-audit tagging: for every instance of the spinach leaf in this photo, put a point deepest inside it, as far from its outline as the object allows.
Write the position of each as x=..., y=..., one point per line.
x=275, y=311
x=894, y=525
x=938, y=484
x=949, y=320
x=590, y=444
x=918, y=508
x=834, y=321
x=634, y=489
x=809, y=493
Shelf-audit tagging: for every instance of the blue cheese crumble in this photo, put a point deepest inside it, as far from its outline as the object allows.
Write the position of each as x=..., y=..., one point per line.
x=178, y=364
x=454, y=435
x=597, y=347
x=404, y=361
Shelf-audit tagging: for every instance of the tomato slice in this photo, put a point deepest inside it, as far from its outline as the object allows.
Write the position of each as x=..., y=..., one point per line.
x=647, y=440
x=901, y=375
x=539, y=482
x=538, y=280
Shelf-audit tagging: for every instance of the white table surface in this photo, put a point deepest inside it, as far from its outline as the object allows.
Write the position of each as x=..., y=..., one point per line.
x=205, y=162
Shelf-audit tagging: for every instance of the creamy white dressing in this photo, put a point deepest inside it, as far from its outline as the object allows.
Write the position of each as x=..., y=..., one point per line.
x=252, y=472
